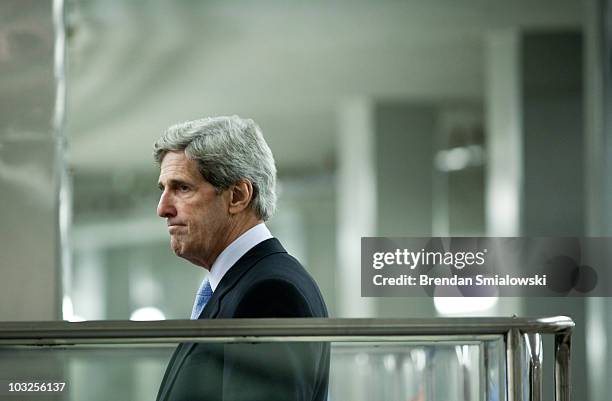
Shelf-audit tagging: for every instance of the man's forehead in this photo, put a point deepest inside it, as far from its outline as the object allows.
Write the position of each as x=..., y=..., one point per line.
x=177, y=164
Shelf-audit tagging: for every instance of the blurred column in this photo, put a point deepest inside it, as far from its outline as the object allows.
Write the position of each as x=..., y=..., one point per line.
x=598, y=165
x=356, y=203
x=504, y=175
x=31, y=118
x=552, y=111
x=598, y=141
x=535, y=183
x=405, y=134
x=504, y=144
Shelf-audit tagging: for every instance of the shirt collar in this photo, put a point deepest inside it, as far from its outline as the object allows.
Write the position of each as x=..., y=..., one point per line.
x=235, y=251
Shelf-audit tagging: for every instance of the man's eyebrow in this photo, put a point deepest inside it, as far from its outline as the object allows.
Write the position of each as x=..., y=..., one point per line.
x=173, y=182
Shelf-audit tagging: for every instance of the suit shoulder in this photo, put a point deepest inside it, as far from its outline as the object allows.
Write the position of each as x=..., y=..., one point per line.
x=283, y=267
x=281, y=282
x=280, y=262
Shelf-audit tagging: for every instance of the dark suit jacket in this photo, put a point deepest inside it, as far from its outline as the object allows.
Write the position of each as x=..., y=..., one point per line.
x=265, y=283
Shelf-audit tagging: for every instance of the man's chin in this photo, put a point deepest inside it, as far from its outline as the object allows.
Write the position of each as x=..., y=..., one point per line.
x=182, y=253
x=176, y=248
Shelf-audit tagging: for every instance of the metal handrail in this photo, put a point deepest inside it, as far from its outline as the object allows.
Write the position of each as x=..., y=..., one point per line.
x=50, y=332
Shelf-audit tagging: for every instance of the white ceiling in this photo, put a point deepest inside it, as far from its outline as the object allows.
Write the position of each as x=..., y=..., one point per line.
x=134, y=70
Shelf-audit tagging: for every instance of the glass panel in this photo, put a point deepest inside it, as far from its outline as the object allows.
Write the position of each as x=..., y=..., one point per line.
x=359, y=371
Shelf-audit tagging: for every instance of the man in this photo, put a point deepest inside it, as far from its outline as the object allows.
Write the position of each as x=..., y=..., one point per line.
x=218, y=181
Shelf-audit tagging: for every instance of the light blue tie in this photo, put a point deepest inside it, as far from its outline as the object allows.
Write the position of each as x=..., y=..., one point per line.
x=202, y=296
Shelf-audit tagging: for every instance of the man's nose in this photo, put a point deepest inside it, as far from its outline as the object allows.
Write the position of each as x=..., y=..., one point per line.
x=165, y=207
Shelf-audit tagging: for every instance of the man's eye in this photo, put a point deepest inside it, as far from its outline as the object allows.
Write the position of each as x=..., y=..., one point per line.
x=183, y=188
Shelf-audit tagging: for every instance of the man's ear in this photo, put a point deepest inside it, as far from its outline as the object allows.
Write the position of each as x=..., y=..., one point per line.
x=241, y=194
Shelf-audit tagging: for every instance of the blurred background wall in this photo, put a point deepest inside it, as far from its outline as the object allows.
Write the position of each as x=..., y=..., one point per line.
x=30, y=162
x=462, y=118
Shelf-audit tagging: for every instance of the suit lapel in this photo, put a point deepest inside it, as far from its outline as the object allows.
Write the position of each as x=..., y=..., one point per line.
x=239, y=269
x=211, y=310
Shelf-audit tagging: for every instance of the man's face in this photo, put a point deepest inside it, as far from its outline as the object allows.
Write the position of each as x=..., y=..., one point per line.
x=196, y=214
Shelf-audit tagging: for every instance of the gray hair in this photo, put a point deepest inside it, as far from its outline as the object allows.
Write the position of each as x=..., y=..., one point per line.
x=227, y=149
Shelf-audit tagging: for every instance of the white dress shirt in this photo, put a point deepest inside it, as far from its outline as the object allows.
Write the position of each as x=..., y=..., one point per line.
x=235, y=251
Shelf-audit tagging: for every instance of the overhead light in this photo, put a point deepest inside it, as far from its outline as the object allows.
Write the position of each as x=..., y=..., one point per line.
x=459, y=158
x=68, y=311
x=147, y=313
x=446, y=306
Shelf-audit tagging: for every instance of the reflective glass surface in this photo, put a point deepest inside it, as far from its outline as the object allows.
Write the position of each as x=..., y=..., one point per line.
x=376, y=369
